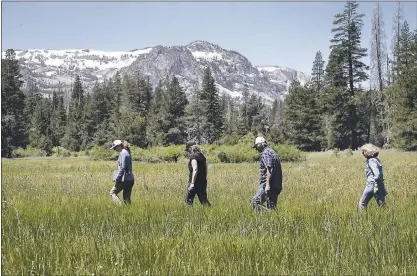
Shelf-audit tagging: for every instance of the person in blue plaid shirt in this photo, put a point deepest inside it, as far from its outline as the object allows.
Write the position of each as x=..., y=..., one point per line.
x=270, y=177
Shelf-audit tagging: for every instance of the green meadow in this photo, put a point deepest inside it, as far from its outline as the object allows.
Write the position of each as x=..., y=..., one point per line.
x=58, y=219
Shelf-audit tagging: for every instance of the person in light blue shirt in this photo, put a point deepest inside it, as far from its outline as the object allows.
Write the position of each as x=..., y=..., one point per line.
x=374, y=177
x=123, y=176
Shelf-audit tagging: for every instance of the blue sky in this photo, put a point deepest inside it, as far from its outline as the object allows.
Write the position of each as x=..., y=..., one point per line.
x=267, y=33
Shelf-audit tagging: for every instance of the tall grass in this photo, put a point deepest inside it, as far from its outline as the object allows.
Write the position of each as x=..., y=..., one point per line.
x=58, y=219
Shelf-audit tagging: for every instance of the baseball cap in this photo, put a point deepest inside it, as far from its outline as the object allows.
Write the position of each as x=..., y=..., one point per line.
x=259, y=140
x=115, y=143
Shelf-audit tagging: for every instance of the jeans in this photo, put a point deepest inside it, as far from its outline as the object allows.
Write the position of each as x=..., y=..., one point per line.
x=126, y=186
x=368, y=193
x=260, y=197
x=201, y=191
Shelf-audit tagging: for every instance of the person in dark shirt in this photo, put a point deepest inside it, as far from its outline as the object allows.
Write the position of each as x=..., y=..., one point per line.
x=270, y=177
x=197, y=178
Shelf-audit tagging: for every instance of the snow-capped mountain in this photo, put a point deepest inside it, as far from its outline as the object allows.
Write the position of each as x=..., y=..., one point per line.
x=283, y=75
x=232, y=71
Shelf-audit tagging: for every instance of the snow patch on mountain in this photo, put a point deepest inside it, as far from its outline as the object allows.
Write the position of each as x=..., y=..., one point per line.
x=207, y=56
x=233, y=94
x=80, y=59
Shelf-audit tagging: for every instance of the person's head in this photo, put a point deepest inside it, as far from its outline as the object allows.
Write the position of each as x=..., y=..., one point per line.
x=119, y=145
x=370, y=151
x=260, y=143
x=191, y=147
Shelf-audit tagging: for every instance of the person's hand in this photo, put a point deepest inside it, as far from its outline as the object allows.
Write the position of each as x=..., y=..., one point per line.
x=375, y=188
x=268, y=191
x=190, y=187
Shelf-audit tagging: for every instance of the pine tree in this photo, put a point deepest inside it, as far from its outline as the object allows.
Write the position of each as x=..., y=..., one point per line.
x=378, y=53
x=139, y=97
x=177, y=101
x=229, y=109
x=243, y=122
x=32, y=97
x=40, y=132
x=13, y=121
x=333, y=92
x=378, y=77
x=194, y=116
x=74, y=134
x=334, y=75
x=255, y=119
x=397, y=24
x=318, y=72
x=158, y=116
x=128, y=96
x=212, y=111
x=403, y=94
x=132, y=127
x=303, y=118
x=97, y=108
x=347, y=40
x=336, y=83
x=116, y=96
x=58, y=118
x=404, y=52
x=273, y=116
x=147, y=94
x=275, y=132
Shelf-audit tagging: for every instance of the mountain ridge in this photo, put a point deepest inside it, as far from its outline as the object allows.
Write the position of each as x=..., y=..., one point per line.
x=233, y=72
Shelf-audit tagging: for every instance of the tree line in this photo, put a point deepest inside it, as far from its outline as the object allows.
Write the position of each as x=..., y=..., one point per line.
x=333, y=110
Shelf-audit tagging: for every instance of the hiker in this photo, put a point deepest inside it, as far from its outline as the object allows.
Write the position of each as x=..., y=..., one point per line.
x=270, y=177
x=197, y=178
x=374, y=177
x=123, y=177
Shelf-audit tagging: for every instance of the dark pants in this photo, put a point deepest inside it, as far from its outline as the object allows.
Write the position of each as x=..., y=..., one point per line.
x=201, y=191
x=260, y=197
x=126, y=186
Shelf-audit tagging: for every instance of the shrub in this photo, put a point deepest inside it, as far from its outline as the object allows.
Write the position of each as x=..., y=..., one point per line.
x=247, y=139
x=288, y=153
x=229, y=140
x=103, y=153
x=245, y=153
x=29, y=152
x=237, y=154
x=158, y=154
x=172, y=153
x=349, y=152
x=61, y=152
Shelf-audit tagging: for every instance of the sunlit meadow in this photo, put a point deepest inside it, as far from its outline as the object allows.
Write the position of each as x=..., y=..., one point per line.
x=58, y=219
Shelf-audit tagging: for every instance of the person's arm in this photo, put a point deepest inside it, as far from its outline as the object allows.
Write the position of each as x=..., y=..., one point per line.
x=268, y=178
x=374, y=169
x=268, y=164
x=195, y=170
x=122, y=166
x=194, y=174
